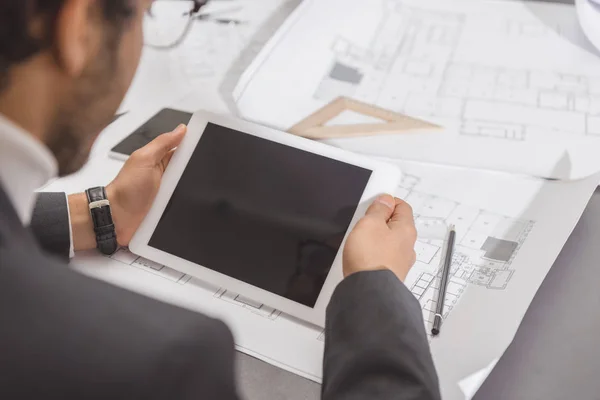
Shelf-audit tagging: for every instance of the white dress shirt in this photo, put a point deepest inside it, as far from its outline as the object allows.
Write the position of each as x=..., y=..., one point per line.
x=25, y=165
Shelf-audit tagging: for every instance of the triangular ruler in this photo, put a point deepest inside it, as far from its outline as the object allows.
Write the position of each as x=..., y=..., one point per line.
x=314, y=126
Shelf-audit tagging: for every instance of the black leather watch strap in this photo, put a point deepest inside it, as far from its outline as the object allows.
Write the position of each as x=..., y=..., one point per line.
x=106, y=237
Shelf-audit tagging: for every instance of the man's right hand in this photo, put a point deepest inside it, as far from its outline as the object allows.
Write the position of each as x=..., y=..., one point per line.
x=383, y=239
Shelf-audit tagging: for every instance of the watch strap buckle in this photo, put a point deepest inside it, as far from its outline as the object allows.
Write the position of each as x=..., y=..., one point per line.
x=99, y=204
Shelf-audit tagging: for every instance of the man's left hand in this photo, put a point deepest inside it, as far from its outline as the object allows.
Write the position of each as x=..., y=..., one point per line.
x=132, y=192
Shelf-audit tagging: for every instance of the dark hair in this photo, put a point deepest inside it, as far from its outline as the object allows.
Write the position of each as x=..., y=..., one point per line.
x=16, y=42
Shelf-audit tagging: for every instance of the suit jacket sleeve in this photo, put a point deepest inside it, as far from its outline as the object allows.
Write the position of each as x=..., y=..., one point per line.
x=375, y=342
x=50, y=224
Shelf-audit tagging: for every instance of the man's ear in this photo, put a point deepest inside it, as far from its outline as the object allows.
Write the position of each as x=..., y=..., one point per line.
x=76, y=36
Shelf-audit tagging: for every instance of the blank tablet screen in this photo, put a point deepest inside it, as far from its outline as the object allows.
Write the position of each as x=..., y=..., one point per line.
x=262, y=212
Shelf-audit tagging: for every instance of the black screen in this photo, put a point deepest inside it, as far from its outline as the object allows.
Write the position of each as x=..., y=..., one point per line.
x=267, y=214
x=164, y=121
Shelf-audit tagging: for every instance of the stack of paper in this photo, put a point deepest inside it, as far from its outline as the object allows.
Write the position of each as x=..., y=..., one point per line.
x=512, y=84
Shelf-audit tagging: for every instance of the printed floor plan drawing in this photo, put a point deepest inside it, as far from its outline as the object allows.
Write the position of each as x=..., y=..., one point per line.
x=486, y=245
x=508, y=236
x=125, y=256
x=411, y=66
x=251, y=305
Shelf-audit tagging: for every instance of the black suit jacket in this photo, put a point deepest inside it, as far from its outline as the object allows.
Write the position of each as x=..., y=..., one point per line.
x=67, y=336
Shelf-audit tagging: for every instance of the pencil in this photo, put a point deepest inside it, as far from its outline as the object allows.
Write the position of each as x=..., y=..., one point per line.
x=437, y=322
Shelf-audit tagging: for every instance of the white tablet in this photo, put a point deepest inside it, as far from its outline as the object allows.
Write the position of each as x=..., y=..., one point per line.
x=260, y=212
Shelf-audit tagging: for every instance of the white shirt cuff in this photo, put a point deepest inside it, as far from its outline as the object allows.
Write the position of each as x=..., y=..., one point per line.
x=71, y=249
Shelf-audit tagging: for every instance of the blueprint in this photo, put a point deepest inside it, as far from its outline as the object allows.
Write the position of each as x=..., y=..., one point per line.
x=509, y=233
x=503, y=78
x=486, y=245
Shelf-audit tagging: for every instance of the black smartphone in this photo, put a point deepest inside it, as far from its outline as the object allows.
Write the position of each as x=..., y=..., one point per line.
x=165, y=120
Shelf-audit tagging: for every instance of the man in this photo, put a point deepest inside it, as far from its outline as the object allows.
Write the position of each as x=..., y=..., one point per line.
x=65, y=65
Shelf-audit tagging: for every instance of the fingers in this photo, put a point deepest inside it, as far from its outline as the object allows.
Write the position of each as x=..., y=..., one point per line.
x=402, y=219
x=156, y=150
x=382, y=208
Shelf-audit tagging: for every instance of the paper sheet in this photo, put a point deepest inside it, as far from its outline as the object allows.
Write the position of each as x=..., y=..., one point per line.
x=509, y=232
x=588, y=12
x=471, y=384
x=206, y=54
x=516, y=85
x=199, y=72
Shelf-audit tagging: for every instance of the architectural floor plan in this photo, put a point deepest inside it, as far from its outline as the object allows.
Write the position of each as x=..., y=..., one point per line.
x=515, y=86
x=413, y=65
x=508, y=235
x=486, y=245
x=125, y=256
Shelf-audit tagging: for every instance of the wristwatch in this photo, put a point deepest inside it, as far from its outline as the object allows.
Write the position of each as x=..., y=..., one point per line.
x=106, y=237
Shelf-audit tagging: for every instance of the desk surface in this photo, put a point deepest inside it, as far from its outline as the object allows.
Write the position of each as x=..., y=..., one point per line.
x=554, y=355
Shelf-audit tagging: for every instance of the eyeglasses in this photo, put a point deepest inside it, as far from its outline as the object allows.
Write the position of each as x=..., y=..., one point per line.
x=168, y=23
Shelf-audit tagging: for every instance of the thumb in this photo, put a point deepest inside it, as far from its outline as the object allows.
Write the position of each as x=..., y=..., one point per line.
x=382, y=208
x=157, y=149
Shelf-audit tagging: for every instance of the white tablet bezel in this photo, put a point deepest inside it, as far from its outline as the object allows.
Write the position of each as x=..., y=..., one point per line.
x=384, y=179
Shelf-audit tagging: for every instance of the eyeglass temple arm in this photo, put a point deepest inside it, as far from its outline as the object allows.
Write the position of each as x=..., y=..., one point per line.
x=198, y=4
